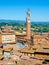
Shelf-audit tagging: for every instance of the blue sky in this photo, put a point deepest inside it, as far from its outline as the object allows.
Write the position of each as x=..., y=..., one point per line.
x=16, y=9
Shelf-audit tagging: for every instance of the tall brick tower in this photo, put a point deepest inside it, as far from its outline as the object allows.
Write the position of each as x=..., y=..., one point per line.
x=28, y=19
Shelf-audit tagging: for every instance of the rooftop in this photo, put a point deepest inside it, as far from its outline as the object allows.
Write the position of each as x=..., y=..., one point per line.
x=1, y=56
x=8, y=49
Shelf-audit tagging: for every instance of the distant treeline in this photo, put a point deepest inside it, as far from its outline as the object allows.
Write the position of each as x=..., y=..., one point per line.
x=37, y=26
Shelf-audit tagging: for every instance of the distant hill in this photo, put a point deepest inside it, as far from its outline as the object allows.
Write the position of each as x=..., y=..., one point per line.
x=40, y=22
x=20, y=22
x=11, y=21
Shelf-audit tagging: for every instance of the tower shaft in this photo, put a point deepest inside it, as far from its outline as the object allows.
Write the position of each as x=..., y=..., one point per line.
x=28, y=31
x=28, y=18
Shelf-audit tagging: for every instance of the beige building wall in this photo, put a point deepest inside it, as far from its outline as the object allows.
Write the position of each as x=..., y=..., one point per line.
x=8, y=38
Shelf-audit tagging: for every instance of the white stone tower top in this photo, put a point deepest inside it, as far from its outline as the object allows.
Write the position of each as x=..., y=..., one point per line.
x=28, y=18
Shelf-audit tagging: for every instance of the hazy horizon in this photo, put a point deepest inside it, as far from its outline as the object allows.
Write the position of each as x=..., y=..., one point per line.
x=6, y=20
